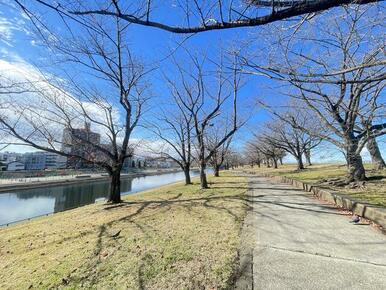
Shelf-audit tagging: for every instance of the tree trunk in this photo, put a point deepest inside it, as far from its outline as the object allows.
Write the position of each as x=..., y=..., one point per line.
x=375, y=153
x=274, y=163
x=356, y=171
x=115, y=187
x=187, y=176
x=216, y=170
x=203, y=181
x=281, y=160
x=307, y=154
x=299, y=161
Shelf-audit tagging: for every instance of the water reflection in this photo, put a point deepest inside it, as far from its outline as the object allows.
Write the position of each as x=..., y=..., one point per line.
x=29, y=203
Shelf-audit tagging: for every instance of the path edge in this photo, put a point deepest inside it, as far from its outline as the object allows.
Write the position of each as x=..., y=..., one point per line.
x=242, y=278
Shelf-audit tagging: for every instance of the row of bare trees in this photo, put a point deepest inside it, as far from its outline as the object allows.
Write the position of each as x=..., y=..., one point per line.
x=335, y=71
x=47, y=107
x=284, y=134
x=259, y=150
x=199, y=127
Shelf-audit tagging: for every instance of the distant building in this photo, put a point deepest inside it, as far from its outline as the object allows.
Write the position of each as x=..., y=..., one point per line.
x=34, y=161
x=148, y=162
x=161, y=163
x=11, y=161
x=15, y=166
x=55, y=161
x=43, y=160
x=134, y=162
x=80, y=142
x=7, y=157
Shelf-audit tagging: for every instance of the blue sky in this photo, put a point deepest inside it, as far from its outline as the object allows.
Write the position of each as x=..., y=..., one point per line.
x=18, y=45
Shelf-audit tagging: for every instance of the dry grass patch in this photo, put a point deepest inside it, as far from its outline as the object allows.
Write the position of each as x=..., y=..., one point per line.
x=175, y=237
x=373, y=191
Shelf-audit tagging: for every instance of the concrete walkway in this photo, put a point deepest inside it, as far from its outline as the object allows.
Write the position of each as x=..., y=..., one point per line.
x=293, y=241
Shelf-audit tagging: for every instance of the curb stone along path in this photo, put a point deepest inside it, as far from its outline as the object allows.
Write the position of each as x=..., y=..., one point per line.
x=368, y=211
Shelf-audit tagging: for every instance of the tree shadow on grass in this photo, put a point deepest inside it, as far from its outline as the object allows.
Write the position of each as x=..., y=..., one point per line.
x=211, y=201
x=229, y=182
x=303, y=206
x=152, y=207
x=232, y=187
x=375, y=178
x=207, y=201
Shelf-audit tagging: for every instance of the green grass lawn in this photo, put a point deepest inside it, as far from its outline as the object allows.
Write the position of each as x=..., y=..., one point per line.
x=175, y=237
x=373, y=192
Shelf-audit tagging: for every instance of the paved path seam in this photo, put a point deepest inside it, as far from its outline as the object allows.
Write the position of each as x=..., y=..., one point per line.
x=322, y=255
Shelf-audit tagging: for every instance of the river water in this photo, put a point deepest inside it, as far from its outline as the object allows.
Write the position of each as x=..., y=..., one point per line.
x=29, y=203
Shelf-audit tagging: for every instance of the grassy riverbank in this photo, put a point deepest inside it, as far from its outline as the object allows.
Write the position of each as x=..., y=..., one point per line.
x=373, y=191
x=175, y=237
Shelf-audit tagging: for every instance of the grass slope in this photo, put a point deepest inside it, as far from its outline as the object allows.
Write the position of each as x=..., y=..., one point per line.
x=175, y=237
x=373, y=192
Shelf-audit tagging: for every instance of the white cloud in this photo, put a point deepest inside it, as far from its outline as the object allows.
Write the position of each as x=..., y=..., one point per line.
x=12, y=21
x=10, y=26
x=52, y=107
x=16, y=67
x=5, y=31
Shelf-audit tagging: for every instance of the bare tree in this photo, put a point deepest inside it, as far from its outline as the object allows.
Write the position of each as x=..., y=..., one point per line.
x=196, y=16
x=203, y=94
x=375, y=153
x=233, y=159
x=213, y=137
x=252, y=154
x=307, y=155
x=294, y=131
x=290, y=136
x=336, y=68
x=270, y=152
x=38, y=119
x=175, y=130
x=281, y=156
